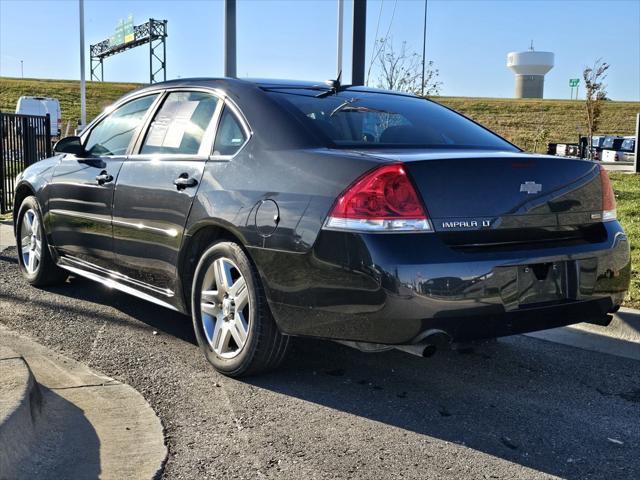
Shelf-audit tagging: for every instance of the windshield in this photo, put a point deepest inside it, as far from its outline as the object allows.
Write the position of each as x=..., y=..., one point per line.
x=367, y=119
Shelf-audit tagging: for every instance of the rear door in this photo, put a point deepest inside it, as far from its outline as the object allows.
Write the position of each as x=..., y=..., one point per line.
x=156, y=187
x=81, y=189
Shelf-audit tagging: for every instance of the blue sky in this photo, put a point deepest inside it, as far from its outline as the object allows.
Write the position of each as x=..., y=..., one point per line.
x=468, y=40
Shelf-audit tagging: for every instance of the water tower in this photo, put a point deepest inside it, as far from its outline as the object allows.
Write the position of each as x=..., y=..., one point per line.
x=530, y=68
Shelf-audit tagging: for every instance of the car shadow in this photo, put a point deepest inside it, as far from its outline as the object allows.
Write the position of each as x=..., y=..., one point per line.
x=503, y=399
x=159, y=318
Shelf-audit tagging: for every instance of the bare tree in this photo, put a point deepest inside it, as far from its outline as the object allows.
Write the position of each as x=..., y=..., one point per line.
x=539, y=135
x=402, y=70
x=595, y=94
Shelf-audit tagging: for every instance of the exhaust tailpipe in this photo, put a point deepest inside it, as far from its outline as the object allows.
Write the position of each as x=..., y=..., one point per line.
x=428, y=345
x=419, y=349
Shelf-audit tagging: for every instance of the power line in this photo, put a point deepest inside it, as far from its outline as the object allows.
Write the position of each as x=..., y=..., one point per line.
x=375, y=39
x=384, y=41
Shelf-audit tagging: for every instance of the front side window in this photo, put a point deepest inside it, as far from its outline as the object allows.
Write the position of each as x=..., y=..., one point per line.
x=181, y=124
x=113, y=134
x=360, y=119
x=230, y=136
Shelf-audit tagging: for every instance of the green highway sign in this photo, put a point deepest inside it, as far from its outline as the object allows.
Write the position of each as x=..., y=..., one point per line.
x=574, y=82
x=123, y=32
x=128, y=29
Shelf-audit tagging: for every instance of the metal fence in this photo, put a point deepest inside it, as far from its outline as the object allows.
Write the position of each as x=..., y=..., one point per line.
x=24, y=140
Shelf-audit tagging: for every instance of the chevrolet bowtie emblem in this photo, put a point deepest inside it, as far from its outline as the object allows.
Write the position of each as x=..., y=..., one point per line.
x=531, y=187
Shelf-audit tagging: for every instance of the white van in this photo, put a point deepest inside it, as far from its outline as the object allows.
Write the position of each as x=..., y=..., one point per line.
x=41, y=106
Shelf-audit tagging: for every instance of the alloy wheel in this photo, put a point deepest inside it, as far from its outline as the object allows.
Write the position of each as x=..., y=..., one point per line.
x=225, y=308
x=31, y=241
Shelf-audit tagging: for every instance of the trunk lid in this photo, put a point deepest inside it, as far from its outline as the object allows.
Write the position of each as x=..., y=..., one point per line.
x=535, y=197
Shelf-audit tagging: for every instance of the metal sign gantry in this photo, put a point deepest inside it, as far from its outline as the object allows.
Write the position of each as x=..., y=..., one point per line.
x=153, y=32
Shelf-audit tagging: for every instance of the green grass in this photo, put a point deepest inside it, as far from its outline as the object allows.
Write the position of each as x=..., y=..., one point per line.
x=627, y=190
x=523, y=121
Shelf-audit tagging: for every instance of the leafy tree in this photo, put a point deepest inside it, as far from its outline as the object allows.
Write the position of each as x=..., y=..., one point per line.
x=401, y=70
x=595, y=94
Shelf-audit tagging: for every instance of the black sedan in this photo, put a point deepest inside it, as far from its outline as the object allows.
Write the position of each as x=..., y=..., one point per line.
x=267, y=209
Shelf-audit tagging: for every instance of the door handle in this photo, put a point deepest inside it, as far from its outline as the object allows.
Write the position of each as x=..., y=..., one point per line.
x=185, y=181
x=104, y=177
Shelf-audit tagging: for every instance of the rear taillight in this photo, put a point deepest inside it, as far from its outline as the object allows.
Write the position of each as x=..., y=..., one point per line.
x=608, y=197
x=382, y=200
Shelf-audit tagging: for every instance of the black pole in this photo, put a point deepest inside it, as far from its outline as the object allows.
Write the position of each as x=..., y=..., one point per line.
x=359, y=41
x=164, y=51
x=3, y=184
x=150, y=51
x=230, y=38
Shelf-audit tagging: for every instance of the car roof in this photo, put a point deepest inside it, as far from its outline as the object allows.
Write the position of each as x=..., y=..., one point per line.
x=262, y=83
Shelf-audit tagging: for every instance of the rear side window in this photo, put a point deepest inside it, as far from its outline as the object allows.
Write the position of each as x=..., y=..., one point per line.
x=230, y=136
x=113, y=134
x=181, y=124
x=360, y=119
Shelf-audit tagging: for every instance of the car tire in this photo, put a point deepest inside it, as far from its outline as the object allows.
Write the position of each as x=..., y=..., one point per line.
x=233, y=325
x=35, y=260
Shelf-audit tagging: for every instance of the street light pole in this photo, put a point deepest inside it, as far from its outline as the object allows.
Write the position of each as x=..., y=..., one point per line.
x=230, y=38
x=22, y=68
x=83, y=93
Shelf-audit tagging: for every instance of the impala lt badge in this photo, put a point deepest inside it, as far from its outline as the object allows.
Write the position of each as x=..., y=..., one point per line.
x=531, y=187
x=467, y=224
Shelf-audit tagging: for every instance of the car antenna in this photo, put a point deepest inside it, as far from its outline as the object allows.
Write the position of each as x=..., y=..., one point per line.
x=335, y=87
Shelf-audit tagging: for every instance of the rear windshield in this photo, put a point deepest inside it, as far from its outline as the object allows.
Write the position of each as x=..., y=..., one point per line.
x=365, y=119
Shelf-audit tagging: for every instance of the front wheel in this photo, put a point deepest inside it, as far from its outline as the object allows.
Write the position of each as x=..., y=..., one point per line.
x=34, y=258
x=231, y=317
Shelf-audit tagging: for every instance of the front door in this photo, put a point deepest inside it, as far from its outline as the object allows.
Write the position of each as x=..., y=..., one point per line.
x=156, y=187
x=81, y=190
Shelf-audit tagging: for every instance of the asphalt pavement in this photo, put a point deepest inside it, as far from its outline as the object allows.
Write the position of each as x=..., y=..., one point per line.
x=518, y=408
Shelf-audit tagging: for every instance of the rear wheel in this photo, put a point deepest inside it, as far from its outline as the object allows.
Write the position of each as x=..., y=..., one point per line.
x=36, y=263
x=231, y=318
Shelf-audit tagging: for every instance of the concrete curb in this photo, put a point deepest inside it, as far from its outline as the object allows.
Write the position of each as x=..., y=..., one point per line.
x=63, y=420
x=20, y=407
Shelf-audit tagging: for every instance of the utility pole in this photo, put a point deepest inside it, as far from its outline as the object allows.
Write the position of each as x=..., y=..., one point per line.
x=83, y=92
x=339, y=52
x=424, y=47
x=359, y=39
x=22, y=68
x=230, y=38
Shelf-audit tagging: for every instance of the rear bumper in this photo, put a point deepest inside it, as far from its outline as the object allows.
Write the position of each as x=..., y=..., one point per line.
x=391, y=289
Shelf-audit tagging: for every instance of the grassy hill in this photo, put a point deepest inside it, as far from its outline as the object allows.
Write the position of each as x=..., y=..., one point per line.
x=523, y=121
x=531, y=124
x=99, y=95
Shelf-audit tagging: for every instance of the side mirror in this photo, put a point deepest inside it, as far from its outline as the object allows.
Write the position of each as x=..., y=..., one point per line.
x=71, y=145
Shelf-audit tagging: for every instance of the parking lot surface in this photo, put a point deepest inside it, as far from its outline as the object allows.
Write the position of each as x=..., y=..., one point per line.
x=518, y=408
